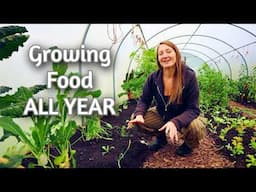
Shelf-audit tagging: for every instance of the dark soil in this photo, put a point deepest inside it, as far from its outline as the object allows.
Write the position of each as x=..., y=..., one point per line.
x=90, y=154
x=248, y=111
x=238, y=159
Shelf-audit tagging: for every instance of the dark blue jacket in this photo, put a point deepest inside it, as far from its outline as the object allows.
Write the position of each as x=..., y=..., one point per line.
x=180, y=114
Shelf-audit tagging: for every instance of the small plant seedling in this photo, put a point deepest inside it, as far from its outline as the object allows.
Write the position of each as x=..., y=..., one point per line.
x=106, y=149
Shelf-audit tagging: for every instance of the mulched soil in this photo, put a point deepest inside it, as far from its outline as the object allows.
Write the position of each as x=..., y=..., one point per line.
x=248, y=111
x=207, y=155
x=89, y=154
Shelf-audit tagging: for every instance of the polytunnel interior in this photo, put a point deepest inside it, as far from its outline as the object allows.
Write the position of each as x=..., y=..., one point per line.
x=75, y=112
x=227, y=48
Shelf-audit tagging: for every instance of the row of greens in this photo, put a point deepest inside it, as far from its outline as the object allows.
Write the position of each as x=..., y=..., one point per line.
x=236, y=133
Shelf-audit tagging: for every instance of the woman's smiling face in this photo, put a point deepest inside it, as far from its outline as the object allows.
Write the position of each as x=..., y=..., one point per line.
x=166, y=56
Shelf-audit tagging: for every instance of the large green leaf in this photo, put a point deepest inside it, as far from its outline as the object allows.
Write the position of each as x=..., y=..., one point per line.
x=11, y=38
x=22, y=94
x=13, y=110
x=14, y=105
x=4, y=89
x=7, y=143
x=36, y=138
x=11, y=147
x=10, y=44
x=11, y=30
x=70, y=129
x=37, y=88
x=8, y=124
x=60, y=67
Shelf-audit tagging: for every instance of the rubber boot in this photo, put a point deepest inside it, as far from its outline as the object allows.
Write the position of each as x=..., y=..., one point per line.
x=159, y=142
x=184, y=150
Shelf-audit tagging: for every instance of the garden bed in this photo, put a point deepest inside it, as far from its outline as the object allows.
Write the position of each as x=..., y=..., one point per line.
x=90, y=153
x=128, y=150
x=235, y=131
x=121, y=151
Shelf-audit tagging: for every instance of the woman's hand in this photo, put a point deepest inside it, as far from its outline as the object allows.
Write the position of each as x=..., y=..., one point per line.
x=138, y=119
x=170, y=131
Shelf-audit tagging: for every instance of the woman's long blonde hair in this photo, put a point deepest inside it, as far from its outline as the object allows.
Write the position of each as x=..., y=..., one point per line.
x=176, y=93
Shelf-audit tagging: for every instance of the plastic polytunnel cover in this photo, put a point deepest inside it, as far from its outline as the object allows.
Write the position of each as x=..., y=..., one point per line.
x=64, y=86
x=225, y=47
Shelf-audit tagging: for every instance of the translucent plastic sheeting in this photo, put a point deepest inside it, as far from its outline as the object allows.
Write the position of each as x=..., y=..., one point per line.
x=225, y=47
x=18, y=70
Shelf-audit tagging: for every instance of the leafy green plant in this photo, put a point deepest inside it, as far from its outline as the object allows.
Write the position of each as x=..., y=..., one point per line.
x=48, y=132
x=93, y=129
x=244, y=88
x=4, y=89
x=123, y=131
x=251, y=161
x=233, y=89
x=223, y=133
x=35, y=140
x=13, y=161
x=236, y=147
x=214, y=87
x=66, y=127
x=11, y=37
x=106, y=149
x=240, y=124
x=13, y=105
x=145, y=65
x=247, y=87
x=253, y=143
x=12, y=151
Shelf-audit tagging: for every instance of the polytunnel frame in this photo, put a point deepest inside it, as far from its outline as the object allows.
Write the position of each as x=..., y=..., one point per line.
x=233, y=49
x=221, y=55
x=211, y=59
x=204, y=55
x=163, y=30
x=115, y=56
x=191, y=36
x=246, y=45
x=191, y=54
x=83, y=43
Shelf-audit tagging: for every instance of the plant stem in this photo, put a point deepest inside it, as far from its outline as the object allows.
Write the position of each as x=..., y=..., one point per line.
x=121, y=156
x=76, y=140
